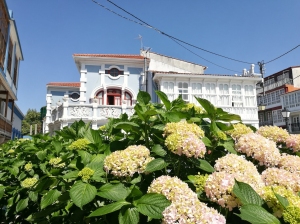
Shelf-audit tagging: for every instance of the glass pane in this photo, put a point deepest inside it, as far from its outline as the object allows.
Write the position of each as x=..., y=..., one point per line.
x=185, y=85
x=180, y=85
x=171, y=87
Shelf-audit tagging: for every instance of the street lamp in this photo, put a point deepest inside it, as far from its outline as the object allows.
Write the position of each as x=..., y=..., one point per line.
x=285, y=114
x=261, y=106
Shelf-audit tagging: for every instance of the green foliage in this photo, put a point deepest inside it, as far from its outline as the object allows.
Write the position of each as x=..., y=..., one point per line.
x=32, y=117
x=77, y=188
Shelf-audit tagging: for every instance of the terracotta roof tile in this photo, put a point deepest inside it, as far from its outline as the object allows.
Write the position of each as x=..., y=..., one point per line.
x=131, y=56
x=64, y=84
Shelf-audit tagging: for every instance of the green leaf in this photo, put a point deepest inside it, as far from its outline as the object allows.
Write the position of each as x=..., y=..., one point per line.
x=257, y=215
x=57, y=146
x=164, y=98
x=206, y=141
x=33, y=196
x=71, y=175
x=22, y=204
x=50, y=198
x=208, y=107
x=14, y=170
x=85, y=156
x=204, y=165
x=140, y=111
x=159, y=127
x=127, y=126
x=109, y=208
x=82, y=193
x=158, y=150
x=135, y=192
x=2, y=190
x=41, y=155
x=112, y=192
x=45, y=184
x=174, y=116
x=143, y=98
x=246, y=194
x=229, y=117
x=93, y=136
x=282, y=200
x=136, y=180
x=156, y=164
x=229, y=146
x=129, y=216
x=152, y=205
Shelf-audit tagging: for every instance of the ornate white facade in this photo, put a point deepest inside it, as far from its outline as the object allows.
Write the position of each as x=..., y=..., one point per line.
x=109, y=85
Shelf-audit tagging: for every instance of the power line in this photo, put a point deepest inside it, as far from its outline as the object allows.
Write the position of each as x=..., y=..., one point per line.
x=163, y=33
x=203, y=58
x=282, y=54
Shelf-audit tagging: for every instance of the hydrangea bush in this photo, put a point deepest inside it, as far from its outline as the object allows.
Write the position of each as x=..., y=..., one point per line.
x=168, y=163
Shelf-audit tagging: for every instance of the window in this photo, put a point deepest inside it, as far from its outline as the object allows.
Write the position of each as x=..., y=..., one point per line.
x=114, y=97
x=10, y=54
x=114, y=72
x=74, y=96
x=168, y=87
x=223, y=89
x=128, y=99
x=183, y=90
x=196, y=88
x=16, y=71
x=4, y=21
x=237, y=99
x=210, y=88
x=224, y=94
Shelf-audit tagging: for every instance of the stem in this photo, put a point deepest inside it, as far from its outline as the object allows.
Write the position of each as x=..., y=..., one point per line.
x=178, y=167
x=146, y=136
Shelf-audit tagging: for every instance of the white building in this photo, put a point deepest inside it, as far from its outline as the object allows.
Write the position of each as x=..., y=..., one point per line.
x=109, y=84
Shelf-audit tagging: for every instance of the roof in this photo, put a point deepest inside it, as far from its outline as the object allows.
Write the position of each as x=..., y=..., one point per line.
x=142, y=52
x=130, y=56
x=182, y=73
x=64, y=84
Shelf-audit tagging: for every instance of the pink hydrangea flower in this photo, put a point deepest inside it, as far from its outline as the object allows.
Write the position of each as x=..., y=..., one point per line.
x=259, y=148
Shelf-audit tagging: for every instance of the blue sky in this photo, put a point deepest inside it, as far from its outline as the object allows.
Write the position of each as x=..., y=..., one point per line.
x=51, y=31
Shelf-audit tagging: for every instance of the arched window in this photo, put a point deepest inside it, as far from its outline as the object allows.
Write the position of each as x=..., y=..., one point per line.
x=113, y=97
x=128, y=99
x=100, y=97
x=114, y=72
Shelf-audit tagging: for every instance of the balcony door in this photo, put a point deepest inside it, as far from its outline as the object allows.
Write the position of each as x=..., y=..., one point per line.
x=113, y=97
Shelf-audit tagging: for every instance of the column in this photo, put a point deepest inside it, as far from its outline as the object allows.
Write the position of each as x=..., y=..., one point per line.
x=65, y=116
x=82, y=98
x=48, y=113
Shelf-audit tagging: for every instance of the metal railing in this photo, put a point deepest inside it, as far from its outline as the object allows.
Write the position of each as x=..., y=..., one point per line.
x=264, y=123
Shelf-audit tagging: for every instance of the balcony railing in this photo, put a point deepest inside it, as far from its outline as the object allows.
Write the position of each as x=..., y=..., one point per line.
x=295, y=127
x=264, y=123
x=5, y=126
x=275, y=85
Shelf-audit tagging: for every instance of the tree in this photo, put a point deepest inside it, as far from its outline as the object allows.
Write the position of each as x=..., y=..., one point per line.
x=32, y=117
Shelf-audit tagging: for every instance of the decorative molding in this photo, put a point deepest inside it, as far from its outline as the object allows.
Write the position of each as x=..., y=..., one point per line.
x=80, y=112
x=111, y=112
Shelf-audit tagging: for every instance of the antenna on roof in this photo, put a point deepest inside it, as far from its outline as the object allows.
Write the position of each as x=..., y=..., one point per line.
x=141, y=39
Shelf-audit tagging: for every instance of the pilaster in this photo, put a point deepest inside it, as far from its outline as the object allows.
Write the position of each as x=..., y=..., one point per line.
x=82, y=98
x=48, y=113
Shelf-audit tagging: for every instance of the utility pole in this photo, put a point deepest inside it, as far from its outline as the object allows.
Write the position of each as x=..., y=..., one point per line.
x=262, y=69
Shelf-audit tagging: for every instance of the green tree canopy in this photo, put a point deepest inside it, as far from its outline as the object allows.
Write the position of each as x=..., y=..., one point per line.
x=32, y=117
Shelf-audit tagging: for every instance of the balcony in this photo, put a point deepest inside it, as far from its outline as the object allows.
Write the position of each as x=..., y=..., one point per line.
x=295, y=127
x=5, y=127
x=275, y=85
x=265, y=123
